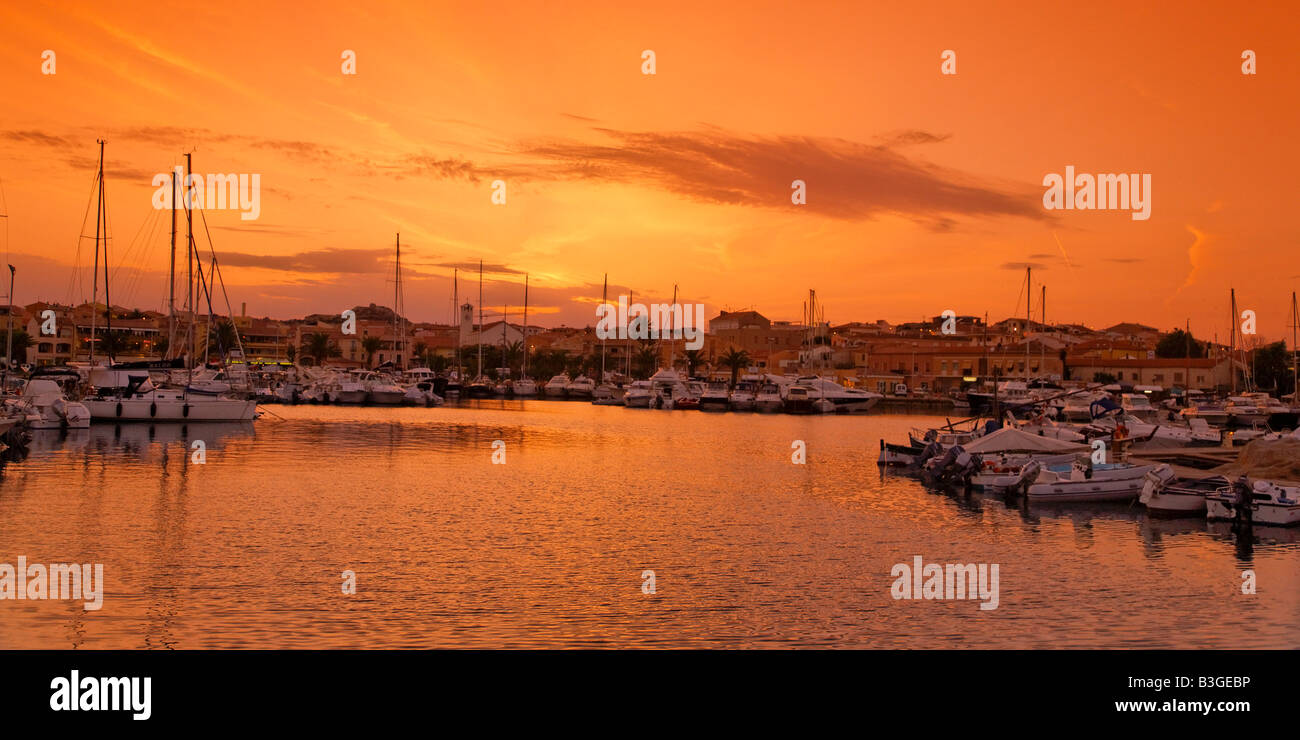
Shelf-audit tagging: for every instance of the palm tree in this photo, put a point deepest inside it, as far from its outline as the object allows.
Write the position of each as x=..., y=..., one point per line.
x=113, y=343
x=419, y=351
x=437, y=362
x=22, y=340
x=370, y=345
x=319, y=347
x=224, y=335
x=292, y=353
x=735, y=359
x=646, y=358
x=694, y=358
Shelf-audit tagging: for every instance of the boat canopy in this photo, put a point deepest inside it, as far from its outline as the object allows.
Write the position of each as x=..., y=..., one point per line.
x=1010, y=439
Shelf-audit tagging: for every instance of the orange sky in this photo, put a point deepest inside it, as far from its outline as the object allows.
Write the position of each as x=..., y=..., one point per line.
x=924, y=190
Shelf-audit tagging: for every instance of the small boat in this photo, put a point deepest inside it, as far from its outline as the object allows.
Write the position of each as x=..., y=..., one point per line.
x=581, y=387
x=1259, y=501
x=741, y=397
x=715, y=397
x=44, y=405
x=557, y=386
x=480, y=387
x=525, y=387
x=1166, y=494
x=639, y=395
x=767, y=398
x=382, y=391
x=1085, y=482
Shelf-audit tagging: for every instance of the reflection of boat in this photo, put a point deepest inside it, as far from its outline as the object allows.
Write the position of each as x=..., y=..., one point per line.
x=143, y=435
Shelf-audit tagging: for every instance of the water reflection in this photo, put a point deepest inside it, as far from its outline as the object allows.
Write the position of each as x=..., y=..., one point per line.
x=246, y=550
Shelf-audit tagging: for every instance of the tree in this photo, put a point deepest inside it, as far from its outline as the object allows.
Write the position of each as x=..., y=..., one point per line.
x=735, y=359
x=646, y=359
x=1105, y=378
x=1179, y=343
x=1272, y=367
x=319, y=347
x=224, y=335
x=694, y=358
x=22, y=340
x=113, y=343
x=370, y=345
x=292, y=353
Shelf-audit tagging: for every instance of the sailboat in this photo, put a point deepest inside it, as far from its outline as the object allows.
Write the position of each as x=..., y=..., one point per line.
x=126, y=392
x=481, y=386
x=604, y=394
x=525, y=386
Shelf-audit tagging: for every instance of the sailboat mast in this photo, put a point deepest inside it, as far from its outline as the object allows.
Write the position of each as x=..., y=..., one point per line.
x=94, y=295
x=171, y=280
x=604, y=301
x=1042, y=349
x=523, y=372
x=455, y=299
x=189, y=272
x=1232, y=340
x=672, y=340
x=397, y=303
x=480, y=317
x=1295, y=357
x=627, y=342
x=1029, y=300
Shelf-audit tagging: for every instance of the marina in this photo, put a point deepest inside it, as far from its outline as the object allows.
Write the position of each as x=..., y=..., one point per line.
x=547, y=549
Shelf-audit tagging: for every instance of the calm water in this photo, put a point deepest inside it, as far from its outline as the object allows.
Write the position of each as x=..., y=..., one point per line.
x=450, y=550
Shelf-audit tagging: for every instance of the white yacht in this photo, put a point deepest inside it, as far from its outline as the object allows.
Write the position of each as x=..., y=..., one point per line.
x=350, y=388
x=715, y=396
x=1139, y=406
x=382, y=391
x=526, y=387
x=742, y=396
x=557, y=386
x=639, y=395
x=768, y=398
x=825, y=395
x=580, y=387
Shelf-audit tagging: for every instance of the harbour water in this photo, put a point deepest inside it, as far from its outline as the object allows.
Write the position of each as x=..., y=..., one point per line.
x=549, y=548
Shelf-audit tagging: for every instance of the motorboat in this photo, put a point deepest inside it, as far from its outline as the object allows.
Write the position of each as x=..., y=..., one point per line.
x=1260, y=501
x=767, y=398
x=741, y=397
x=639, y=395
x=557, y=386
x=580, y=387
x=1085, y=482
x=44, y=405
x=827, y=396
x=481, y=387
x=382, y=391
x=716, y=397
x=1164, y=493
x=1138, y=405
x=525, y=387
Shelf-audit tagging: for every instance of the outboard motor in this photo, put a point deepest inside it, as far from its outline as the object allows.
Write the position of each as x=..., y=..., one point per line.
x=930, y=450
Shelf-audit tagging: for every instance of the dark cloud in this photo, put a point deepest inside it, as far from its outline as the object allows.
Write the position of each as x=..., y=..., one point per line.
x=347, y=261
x=37, y=137
x=845, y=179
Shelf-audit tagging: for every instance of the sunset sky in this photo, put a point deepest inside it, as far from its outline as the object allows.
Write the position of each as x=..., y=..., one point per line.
x=924, y=190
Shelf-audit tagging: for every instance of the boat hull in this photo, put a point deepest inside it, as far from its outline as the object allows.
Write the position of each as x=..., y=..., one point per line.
x=198, y=409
